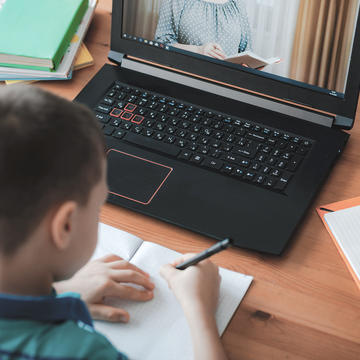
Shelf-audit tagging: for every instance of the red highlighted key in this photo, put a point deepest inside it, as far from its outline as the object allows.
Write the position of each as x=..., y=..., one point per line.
x=127, y=115
x=130, y=107
x=116, y=112
x=137, y=119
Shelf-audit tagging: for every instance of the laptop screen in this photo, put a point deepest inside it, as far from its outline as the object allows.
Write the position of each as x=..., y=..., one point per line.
x=306, y=43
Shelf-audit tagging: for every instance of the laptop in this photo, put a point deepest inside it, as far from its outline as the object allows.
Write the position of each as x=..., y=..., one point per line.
x=216, y=146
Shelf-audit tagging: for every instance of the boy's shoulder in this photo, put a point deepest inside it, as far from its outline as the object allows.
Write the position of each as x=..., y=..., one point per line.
x=37, y=336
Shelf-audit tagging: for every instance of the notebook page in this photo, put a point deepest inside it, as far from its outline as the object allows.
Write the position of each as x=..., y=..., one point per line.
x=345, y=226
x=115, y=241
x=158, y=329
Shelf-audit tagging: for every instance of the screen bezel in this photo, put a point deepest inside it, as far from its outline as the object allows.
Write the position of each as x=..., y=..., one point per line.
x=344, y=107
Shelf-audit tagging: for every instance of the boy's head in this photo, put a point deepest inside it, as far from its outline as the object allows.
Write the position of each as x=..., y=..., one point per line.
x=52, y=175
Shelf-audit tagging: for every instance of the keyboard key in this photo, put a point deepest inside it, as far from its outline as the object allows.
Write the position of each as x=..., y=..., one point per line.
x=255, y=166
x=119, y=134
x=103, y=118
x=152, y=114
x=215, y=153
x=193, y=146
x=181, y=143
x=137, y=119
x=185, y=155
x=256, y=137
x=108, y=101
x=259, y=179
x=115, y=122
x=121, y=104
x=108, y=130
x=126, y=125
x=249, y=176
x=152, y=144
x=283, y=182
x=276, y=173
x=159, y=136
x=171, y=130
x=227, y=147
x=160, y=126
x=141, y=111
x=170, y=139
x=213, y=164
x=238, y=172
x=227, y=169
x=137, y=129
x=193, y=137
x=182, y=133
x=148, y=132
x=270, y=183
x=197, y=159
x=126, y=116
x=204, y=150
x=103, y=109
x=130, y=107
x=249, y=153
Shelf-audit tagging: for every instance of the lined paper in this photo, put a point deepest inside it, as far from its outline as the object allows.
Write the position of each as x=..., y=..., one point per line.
x=345, y=226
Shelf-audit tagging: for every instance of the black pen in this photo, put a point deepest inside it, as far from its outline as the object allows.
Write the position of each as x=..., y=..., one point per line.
x=221, y=245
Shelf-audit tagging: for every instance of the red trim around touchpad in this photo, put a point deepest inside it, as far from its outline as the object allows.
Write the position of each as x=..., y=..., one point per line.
x=134, y=178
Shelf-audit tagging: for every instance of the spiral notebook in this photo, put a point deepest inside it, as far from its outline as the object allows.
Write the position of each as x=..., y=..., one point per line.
x=157, y=329
x=342, y=220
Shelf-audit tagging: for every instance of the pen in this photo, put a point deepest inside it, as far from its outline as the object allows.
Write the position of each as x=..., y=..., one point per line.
x=328, y=210
x=221, y=245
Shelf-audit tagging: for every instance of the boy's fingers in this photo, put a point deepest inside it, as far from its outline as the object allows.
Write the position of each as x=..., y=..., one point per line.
x=126, y=292
x=167, y=271
x=109, y=258
x=182, y=258
x=123, y=264
x=108, y=313
x=132, y=276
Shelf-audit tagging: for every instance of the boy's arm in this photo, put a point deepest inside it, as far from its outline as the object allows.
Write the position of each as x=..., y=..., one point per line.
x=197, y=290
x=106, y=277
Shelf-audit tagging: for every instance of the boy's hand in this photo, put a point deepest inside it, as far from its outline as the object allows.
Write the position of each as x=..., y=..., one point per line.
x=197, y=287
x=105, y=277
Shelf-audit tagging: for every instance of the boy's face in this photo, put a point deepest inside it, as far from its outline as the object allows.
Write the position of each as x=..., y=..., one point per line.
x=85, y=227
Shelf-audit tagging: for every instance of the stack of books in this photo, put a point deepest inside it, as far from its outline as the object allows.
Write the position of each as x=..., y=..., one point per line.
x=42, y=39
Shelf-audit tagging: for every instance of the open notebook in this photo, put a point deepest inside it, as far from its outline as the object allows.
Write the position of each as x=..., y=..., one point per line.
x=158, y=329
x=345, y=228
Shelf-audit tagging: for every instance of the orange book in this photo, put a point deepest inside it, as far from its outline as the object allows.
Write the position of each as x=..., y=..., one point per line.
x=342, y=221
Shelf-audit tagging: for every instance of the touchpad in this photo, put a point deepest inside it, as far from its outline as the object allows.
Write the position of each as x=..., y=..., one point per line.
x=135, y=178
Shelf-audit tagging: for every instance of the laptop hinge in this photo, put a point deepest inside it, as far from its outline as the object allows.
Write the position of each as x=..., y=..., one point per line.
x=343, y=122
x=229, y=91
x=115, y=57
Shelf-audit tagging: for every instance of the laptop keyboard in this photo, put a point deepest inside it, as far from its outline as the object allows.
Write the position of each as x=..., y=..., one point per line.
x=245, y=150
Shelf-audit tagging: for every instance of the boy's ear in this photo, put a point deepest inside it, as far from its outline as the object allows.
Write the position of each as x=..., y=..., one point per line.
x=62, y=224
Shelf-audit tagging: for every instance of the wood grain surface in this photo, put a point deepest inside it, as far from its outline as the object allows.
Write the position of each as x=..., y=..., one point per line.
x=302, y=305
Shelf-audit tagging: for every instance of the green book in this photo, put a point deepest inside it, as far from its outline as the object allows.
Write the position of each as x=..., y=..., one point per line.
x=34, y=34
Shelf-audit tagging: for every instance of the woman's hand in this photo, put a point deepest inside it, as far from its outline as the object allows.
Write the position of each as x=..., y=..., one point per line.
x=212, y=49
x=105, y=277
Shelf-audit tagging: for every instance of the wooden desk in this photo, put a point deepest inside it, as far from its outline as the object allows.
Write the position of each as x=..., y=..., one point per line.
x=303, y=305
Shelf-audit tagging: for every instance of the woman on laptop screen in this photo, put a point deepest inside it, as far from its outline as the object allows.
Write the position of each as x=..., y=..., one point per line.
x=216, y=28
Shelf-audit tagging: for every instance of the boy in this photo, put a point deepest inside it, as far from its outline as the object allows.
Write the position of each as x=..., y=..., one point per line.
x=52, y=186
